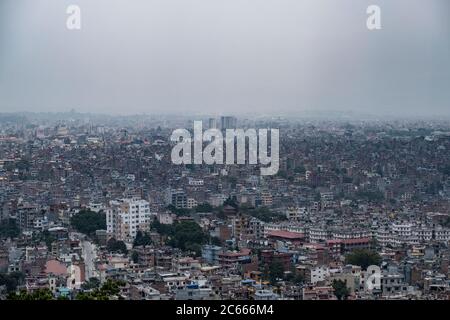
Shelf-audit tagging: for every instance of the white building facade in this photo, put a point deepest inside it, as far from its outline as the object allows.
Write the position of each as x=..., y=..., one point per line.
x=125, y=217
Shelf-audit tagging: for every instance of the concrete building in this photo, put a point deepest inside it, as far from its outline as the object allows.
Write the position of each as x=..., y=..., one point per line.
x=125, y=217
x=177, y=198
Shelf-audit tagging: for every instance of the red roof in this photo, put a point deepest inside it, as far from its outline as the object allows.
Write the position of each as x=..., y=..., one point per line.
x=334, y=241
x=286, y=234
x=354, y=241
x=243, y=252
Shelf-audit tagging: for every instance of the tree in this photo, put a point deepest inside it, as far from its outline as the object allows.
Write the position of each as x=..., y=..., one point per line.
x=116, y=246
x=363, y=258
x=179, y=211
x=47, y=237
x=231, y=202
x=9, y=229
x=265, y=214
x=188, y=236
x=87, y=221
x=142, y=239
x=135, y=256
x=295, y=277
x=340, y=289
x=108, y=290
x=276, y=271
x=11, y=280
x=39, y=294
x=215, y=241
x=298, y=279
x=204, y=207
x=446, y=222
x=162, y=229
x=300, y=170
x=92, y=283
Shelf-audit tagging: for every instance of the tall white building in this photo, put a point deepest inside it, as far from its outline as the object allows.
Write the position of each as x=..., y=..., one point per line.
x=125, y=217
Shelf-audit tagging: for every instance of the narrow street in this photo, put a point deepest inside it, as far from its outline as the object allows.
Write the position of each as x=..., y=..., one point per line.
x=89, y=253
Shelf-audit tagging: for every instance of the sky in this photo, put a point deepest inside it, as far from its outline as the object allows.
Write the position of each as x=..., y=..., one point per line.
x=226, y=57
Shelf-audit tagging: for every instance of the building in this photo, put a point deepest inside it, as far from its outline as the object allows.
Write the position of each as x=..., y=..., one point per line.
x=125, y=217
x=265, y=295
x=191, y=203
x=282, y=235
x=266, y=199
x=177, y=198
x=294, y=214
x=210, y=254
x=227, y=122
x=229, y=259
x=212, y=123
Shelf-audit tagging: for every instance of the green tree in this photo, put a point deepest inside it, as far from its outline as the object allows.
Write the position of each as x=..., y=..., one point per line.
x=116, y=246
x=142, y=239
x=9, y=228
x=163, y=229
x=11, y=280
x=276, y=271
x=92, y=283
x=39, y=294
x=179, y=211
x=363, y=258
x=341, y=290
x=88, y=222
x=47, y=237
x=107, y=291
x=204, y=207
x=215, y=241
x=231, y=202
x=135, y=256
x=188, y=236
x=265, y=214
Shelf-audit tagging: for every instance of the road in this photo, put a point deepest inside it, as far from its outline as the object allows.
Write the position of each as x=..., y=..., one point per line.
x=89, y=253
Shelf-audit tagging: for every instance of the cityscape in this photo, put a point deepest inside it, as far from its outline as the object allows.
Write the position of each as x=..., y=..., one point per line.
x=91, y=207
x=201, y=158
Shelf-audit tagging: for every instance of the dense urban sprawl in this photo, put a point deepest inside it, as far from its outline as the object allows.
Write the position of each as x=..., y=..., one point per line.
x=91, y=207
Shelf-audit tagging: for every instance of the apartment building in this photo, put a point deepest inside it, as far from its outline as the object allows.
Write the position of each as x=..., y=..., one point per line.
x=177, y=198
x=125, y=217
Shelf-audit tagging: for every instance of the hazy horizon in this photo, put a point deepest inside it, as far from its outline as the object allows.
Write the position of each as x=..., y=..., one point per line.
x=226, y=57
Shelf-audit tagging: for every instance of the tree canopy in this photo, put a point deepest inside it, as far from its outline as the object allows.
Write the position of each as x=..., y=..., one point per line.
x=204, y=207
x=107, y=291
x=9, y=229
x=116, y=246
x=363, y=258
x=276, y=271
x=188, y=236
x=39, y=294
x=340, y=289
x=87, y=221
x=265, y=214
x=142, y=239
x=11, y=280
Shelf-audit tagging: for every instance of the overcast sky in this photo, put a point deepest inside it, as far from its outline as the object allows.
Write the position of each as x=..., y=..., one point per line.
x=225, y=56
